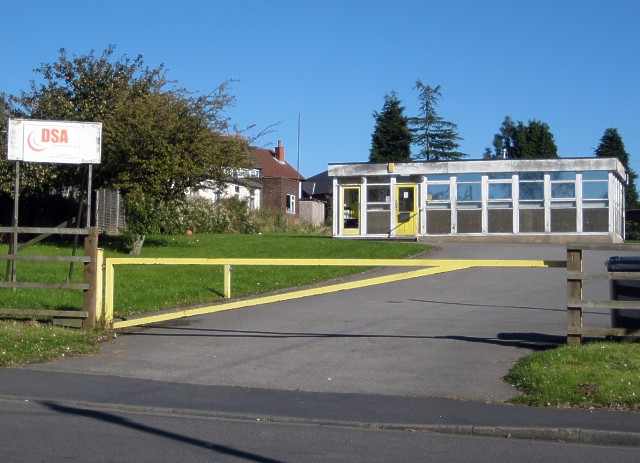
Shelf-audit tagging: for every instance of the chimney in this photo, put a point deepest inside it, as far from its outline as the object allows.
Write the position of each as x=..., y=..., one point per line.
x=280, y=151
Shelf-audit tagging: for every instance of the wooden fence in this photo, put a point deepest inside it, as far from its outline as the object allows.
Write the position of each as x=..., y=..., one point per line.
x=91, y=286
x=576, y=276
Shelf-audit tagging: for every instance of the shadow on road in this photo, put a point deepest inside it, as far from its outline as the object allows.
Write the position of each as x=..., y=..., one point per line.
x=534, y=341
x=132, y=425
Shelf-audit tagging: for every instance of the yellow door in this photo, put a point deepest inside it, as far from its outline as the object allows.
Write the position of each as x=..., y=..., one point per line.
x=406, y=210
x=350, y=211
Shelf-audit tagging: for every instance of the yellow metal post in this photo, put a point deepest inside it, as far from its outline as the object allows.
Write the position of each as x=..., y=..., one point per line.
x=100, y=287
x=227, y=281
x=108, y=293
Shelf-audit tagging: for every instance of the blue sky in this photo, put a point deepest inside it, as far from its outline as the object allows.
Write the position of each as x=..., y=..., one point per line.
x=573, y=64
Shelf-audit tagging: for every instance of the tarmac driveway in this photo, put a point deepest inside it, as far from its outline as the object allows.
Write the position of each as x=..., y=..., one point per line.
x=449, y=335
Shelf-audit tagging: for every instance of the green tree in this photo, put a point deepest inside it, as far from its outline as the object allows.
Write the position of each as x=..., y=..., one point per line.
x=6, y=169
x=533, y=140
x=391, y=139
x=156, y=136
x=611, y=145
x=158, y=139
x=436, y=138
x=503, y=141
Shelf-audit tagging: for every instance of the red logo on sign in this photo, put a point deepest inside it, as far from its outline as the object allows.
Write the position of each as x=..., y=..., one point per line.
x=38, y=140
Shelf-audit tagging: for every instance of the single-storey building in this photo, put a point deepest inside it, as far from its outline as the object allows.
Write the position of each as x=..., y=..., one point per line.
x=541, y=200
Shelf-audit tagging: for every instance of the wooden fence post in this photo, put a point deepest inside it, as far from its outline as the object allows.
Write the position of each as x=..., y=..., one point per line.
x=574, y=291
x=91, y=277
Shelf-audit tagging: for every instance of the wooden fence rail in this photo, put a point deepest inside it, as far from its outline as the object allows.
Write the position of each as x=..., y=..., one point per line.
x=91, y=287
x=576, y=276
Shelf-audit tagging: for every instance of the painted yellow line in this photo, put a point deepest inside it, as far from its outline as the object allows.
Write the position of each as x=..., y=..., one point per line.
x=287, y=296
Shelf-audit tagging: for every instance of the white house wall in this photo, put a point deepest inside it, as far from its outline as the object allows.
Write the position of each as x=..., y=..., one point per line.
x=231, y=190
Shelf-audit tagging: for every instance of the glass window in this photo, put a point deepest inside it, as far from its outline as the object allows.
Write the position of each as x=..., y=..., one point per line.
x=595, y=175
x=438, y=192
x=378, y=194
x=500, y=176
x=500, y=191
x=291, y=204
x=531, y=191
x=563, y=176
x=439, y=178
x=469, y=178
x=595, y=190
x=563, y=190
x=531, y=176
x=469, y=192
x=377, y=179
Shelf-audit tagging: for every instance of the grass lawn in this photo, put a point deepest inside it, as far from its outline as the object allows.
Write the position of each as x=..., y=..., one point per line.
x=595, y=374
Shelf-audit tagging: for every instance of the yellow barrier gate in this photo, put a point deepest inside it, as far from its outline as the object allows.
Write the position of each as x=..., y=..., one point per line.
x=433, y=267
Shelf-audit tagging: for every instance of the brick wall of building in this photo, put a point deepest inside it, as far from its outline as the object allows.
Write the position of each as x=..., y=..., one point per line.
x=275, y=191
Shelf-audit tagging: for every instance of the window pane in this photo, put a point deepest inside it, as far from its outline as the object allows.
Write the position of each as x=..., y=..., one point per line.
x=531, y=176
x=469, y=191
x=595, y=175
x=499, y=191
x=438, y=192
x=438, y=178
x=563, y=175
x=469, y=177
x=378, y=194
x=595, y=190
x=531, y=190
x=498, y=176
x=563, y=190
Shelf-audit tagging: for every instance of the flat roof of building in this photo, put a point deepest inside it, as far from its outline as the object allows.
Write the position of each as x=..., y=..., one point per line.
x=477, y=166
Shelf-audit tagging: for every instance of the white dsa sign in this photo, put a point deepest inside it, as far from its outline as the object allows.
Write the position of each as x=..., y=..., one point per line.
x=54, y=141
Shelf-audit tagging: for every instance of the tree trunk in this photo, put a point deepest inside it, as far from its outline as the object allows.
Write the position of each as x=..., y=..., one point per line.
x=137, y=246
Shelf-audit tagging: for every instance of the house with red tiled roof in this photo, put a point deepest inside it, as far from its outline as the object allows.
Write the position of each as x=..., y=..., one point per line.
x=280, y=181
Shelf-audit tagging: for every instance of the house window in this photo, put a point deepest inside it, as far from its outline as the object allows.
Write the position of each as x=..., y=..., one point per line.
x=291, y=204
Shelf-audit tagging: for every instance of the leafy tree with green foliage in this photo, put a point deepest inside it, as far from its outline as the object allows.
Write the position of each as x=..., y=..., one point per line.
x=158, y=139
x=391, y=139
x=503, y=141
x=436, y=137
x=519, y=141
x=533, y=141
x=6, y=168
x=612, y=146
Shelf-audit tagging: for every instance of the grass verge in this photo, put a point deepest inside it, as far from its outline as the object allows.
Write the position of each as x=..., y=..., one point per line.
x=593, y=375
x=31, y=342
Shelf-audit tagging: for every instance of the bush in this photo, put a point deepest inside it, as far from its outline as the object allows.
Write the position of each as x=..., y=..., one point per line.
x=200, y=215
x=270, y=221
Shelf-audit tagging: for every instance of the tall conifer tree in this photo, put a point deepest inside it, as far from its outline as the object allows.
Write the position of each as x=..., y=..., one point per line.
x=436, y=138
x=611, y=145
x=391, y=139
